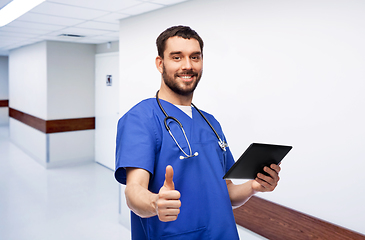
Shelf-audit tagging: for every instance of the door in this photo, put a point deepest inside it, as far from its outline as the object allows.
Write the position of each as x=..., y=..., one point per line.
x=106, y=107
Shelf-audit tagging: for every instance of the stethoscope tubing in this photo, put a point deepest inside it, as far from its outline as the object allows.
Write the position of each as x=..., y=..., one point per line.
x=221, y=143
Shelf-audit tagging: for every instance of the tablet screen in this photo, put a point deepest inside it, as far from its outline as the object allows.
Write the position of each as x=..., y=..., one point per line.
x=255, y=158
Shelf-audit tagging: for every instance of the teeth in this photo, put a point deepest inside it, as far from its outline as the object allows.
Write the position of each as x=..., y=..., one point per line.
x=186, y=77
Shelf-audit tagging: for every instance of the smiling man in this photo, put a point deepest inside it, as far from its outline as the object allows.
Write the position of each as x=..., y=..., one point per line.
x=181, y=68
x=172, y=156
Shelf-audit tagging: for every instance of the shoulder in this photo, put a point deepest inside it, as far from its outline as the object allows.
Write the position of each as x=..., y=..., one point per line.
x=141, y=118
x=144, y=106
x=143, y=110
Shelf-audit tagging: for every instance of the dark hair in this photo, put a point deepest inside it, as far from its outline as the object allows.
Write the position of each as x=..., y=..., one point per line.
x=179, y=31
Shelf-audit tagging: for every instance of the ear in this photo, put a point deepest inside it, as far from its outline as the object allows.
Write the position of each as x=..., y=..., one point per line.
x=159, y=64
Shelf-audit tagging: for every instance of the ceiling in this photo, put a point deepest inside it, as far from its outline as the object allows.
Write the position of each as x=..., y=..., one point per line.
x=96, y=21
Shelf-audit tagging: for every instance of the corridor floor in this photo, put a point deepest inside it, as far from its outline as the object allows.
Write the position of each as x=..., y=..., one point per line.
x=78, y=202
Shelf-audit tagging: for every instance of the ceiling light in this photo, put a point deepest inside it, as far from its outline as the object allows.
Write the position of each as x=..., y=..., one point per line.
x=15, y=9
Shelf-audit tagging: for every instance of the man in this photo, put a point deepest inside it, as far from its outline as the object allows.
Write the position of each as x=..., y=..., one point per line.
x=173, y=193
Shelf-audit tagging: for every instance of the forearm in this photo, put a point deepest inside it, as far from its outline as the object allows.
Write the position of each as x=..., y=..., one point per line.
x=140, y=200
x=241, y=193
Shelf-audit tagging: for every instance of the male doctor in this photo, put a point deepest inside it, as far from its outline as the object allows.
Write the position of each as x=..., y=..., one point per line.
x=174, y=197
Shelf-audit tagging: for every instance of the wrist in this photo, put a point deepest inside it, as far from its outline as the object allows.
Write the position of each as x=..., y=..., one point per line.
x=252, y=185
x=153, y=203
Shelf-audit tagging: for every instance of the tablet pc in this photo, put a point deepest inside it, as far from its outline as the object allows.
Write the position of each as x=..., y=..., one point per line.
x=255, y=158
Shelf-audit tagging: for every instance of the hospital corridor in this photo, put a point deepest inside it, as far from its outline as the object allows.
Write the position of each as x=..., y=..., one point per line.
x=73, y=202
x=80, y=83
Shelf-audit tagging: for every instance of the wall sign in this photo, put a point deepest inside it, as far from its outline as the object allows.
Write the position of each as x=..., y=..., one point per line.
x=109, y=80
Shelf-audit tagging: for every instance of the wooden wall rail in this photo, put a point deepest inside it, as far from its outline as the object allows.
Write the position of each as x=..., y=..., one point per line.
x=4, y=103
x=277, y=222
x=53, y=126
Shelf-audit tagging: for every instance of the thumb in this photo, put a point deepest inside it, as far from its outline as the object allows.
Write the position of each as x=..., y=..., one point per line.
x=169, y=184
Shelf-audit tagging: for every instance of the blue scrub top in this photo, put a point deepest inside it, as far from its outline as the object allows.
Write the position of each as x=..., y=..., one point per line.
x=143, y=142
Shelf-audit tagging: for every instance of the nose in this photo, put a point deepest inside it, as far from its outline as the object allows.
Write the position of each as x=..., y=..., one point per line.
x=187, y=64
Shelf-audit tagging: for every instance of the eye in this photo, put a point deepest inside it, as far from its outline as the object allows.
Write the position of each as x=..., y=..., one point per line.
x=176, y=58
x=195, y=58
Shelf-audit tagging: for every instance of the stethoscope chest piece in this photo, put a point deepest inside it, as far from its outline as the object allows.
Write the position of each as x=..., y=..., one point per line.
x=222, y=144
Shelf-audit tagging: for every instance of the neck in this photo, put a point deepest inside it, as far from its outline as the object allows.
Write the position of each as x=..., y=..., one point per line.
x=170, y=96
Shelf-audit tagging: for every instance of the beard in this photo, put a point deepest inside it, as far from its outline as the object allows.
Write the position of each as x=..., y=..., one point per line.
x=184, y=88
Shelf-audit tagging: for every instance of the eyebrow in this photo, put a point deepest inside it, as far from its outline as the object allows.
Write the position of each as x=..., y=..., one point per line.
x=179, y=52
x=175, y=53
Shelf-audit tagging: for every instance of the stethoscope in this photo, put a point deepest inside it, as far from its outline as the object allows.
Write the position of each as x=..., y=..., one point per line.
x=222, y=144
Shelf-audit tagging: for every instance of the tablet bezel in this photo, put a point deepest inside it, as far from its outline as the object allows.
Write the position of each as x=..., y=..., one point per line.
x=253, y=160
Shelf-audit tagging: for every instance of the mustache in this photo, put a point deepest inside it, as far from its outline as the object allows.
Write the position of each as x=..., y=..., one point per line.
x=188, y=72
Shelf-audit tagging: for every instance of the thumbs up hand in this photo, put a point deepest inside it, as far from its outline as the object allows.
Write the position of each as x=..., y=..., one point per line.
x=168, y=203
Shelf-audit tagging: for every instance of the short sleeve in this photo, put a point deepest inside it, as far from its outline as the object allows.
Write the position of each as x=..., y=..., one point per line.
x=136, y=142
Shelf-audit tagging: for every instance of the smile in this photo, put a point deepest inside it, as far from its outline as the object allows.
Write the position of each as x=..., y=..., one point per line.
x=186, y=77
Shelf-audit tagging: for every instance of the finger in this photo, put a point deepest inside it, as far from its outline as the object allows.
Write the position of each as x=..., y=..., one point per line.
x=168, y=210
x=263, y=185
x=168, y=204
x=269, y=183
x=272, y=174
x=169, y=184
x=168, y=218
x=264, y=179
x=275, y=167
x=272, y=179
x=169, y=195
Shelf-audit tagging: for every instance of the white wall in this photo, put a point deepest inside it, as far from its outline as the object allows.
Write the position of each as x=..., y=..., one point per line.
x=4, y=116
x=70, y=94
x=4, y=78
x=70, y=80
x=109, y=47
x=4, y=89
x=69, y=148
x=28, y=93
x=28, y=79
x=53, y=80
x=30, y=140
x=285, y=72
